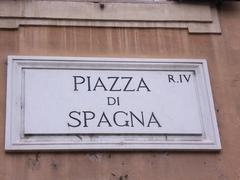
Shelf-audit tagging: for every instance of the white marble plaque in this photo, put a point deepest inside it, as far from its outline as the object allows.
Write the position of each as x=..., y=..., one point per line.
x=59, y=103
x=107, y=101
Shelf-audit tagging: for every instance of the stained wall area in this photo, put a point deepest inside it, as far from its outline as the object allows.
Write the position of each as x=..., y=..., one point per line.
x=223, y=55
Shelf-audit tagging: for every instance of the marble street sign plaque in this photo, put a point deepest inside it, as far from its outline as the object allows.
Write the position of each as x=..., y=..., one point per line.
x=109, y=103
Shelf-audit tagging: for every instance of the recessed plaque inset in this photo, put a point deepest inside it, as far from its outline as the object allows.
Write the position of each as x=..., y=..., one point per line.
x=109, y=103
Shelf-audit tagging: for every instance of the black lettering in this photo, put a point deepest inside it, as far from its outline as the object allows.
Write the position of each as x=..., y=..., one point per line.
x=113, y=85
x=142, y=86
x=102, y=121
x=170, y=78
x=153, y=119
x=75, y=119
x=88, y=80
x=86, y=118
x=128, y=82
x=118, y=101
x=78, y=82
x=99, y=83
x=138, y=119
x=187, y=78
x=180, y=76
x=112, y=101
x=114, y=118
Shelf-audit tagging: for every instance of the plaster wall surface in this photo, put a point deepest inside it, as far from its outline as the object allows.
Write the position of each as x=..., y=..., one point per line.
x=222, y=53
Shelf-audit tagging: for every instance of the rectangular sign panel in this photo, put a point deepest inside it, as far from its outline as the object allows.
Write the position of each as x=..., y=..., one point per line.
x=109, y=103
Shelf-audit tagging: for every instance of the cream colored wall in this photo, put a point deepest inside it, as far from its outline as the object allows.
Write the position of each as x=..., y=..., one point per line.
x=223, y=55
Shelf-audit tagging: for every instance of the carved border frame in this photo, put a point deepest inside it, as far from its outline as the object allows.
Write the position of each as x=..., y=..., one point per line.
x=16, y=140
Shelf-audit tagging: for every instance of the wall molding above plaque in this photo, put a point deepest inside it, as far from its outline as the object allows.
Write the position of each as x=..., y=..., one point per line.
x=197, y=18
x=88, y=103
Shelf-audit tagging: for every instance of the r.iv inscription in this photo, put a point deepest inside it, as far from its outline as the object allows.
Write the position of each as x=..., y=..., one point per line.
x=179, y=78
